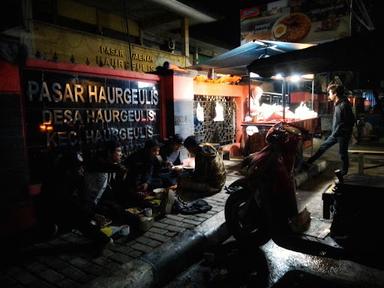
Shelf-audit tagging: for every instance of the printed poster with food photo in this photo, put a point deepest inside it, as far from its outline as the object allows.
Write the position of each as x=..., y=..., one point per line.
x=297, y=21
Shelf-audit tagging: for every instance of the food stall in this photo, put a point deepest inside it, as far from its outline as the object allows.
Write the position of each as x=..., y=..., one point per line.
x=345, y=57
x=234, y=62
x=275, y=99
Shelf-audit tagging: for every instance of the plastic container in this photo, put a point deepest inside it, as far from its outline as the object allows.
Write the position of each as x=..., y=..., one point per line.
x=145, y=223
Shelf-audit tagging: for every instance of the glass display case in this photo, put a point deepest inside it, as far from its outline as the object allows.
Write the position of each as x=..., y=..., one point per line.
x=272, y=100
x=281, y=99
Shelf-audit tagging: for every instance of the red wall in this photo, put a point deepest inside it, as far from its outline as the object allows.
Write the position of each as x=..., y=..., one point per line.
x=19, y=215
x=9, y=78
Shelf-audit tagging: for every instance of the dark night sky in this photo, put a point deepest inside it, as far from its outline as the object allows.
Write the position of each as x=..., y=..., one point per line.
x=226, y=31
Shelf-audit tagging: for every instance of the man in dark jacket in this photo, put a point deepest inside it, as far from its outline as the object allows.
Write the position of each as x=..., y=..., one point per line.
x=103, y=179
x=59, y=206
x=148, y=166
x=342, y=125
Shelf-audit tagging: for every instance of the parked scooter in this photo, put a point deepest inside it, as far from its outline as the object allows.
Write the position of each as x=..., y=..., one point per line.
x=262, y=206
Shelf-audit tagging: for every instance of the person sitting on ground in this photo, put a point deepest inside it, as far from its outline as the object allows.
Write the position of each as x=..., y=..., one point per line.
x=376, y=119
x=209, y=175
x=174, y=154
x=59, y=205
x=104, y=176
x=148, y=167
x=173, y=151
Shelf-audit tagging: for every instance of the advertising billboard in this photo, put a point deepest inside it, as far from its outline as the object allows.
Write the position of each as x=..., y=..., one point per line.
x=304, y=21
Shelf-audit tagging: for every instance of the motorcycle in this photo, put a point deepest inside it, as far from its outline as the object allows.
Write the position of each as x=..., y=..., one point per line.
x=262, y=205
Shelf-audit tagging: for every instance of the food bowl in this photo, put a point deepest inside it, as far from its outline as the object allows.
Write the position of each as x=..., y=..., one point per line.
x=158, y=191
x=189, y=168
x=125, y=230
x=134, y=210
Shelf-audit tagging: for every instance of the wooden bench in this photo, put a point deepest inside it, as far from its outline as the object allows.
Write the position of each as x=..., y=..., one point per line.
x=366, y=149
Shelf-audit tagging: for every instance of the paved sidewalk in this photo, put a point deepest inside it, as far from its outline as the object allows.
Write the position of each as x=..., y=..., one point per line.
x=62, y=262
x=165, y=249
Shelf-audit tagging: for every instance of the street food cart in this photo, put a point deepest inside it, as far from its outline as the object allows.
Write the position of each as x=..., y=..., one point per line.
x=272, y=100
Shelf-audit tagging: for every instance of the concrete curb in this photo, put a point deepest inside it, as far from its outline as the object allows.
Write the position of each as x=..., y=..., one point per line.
x=303, y=176
x=162, y=264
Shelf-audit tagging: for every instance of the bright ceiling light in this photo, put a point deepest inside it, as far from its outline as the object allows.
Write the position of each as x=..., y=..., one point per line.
x=295, y=78
x=278, y=76
x=254, y=75
x=308, y=76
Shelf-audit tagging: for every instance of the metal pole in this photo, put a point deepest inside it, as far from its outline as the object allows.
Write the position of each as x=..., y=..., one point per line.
x=313, y=95
x=350, y=17
x=283, y=93
x=249, y=95
x=127, y=35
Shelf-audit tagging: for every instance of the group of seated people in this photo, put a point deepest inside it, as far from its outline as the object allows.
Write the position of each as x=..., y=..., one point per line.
x=75, y=192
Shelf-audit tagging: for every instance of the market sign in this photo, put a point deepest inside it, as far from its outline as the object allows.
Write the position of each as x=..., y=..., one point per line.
x=65, y=45
x=296, y=21
x=70, y=110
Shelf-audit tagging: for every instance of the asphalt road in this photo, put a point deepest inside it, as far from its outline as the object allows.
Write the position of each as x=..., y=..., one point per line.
x=229, y=265
x=273, y=266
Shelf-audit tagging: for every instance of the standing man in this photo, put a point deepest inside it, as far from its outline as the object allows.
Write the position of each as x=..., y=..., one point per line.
x=342, y=125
